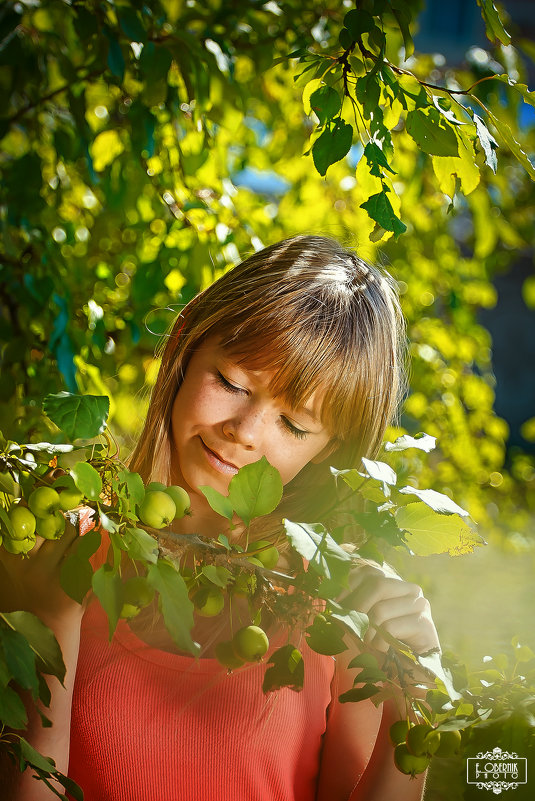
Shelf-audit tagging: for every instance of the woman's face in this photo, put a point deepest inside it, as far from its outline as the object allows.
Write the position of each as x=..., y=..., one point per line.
x=225, y=417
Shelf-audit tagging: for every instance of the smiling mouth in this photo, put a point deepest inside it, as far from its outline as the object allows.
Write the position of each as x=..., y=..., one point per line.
x=217, y=462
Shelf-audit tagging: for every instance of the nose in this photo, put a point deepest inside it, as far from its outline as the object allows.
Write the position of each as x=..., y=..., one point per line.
x=245, y=428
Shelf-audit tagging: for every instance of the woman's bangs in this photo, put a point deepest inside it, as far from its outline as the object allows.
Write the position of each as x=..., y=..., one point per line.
x=303, y=362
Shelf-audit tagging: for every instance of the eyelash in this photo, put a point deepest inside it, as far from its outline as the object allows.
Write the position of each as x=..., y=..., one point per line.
x=298, y=433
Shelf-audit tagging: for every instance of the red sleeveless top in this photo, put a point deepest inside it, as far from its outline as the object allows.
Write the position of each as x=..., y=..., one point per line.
x=149, y=725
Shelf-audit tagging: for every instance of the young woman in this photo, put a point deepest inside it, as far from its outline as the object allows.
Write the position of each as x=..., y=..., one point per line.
x=293, y=355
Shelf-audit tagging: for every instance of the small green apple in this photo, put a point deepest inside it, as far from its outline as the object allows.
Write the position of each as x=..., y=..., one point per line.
x=180, y=497
x=157, y=510
x=208, y=601
x=69, y=495
x=51, y=527
x=44, y=501
x=266, y=553
x=226, y=655
x=22, y=521
x=250, y=643
x=19, y=546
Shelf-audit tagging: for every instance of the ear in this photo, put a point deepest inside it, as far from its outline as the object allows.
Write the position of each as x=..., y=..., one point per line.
x=327, y=451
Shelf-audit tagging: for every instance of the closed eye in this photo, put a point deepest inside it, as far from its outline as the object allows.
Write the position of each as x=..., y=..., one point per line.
x=227, y=385
x=299, y=433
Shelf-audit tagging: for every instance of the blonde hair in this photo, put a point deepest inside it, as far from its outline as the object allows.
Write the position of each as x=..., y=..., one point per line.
x=320, y=318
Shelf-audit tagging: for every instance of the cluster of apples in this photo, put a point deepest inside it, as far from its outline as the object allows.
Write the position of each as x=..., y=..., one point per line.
x=415, y=744
x=43, y=515
x=161, y=505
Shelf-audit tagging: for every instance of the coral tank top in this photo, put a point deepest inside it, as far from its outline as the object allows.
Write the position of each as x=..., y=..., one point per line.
x=152, y=725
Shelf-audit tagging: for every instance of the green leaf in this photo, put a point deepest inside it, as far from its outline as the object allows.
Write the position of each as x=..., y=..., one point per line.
x=88, y=480
x=325, y=637
x=135, y=488
x=358, y=694
x=356, y=622
x=107, y=586
x=176, y=606
x=34, y=758
x=140, y=545
x=78, y=416
x=217, y=574
x=12, y=711
x=368, y=93
x=218, y=502
x=403, y=19
x=20, y=659
x=431, y=133
x=255, y=490
x=315, y=544
x=436, y=500
x=380, y=209
x=507, y=135
x=287, y=670
x=326, y=103
x=358, y=22
x=364, y=660
x=8, y=484
x=40, y=639
x=131, y=24
x=332, y=146
x=115, y=55
x=493, y=24
x=352, y=477
x=380, y=471
x=523, y=89
x=424, y=442
x=433, y=663
x=76, y=572
x=430, y=532
x=376, y=159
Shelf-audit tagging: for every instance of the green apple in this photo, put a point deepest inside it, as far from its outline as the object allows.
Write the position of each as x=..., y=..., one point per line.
x=22, y=521
x=181, y=499
x=208, y=601
x=157, y=510
x=155, y=485
x=227, y=656
x=408, y=763
x=44, y=501
x=266, y=553
x=250, y=643
x=19, y=546
x=422, y=739
x=51, y=527
x=398, y=731
x=138, y=591
x=69, y=495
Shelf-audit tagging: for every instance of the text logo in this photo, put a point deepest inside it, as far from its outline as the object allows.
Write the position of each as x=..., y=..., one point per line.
x=496, y=770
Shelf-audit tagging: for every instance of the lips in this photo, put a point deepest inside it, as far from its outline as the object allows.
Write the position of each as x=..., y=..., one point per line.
x=217, y=462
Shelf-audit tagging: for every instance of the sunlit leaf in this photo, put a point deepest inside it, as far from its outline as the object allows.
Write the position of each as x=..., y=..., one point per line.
x=78, y=416
x=429, y=532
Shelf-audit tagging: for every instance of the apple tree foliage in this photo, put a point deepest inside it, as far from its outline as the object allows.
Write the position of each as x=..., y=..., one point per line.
x=146, y=147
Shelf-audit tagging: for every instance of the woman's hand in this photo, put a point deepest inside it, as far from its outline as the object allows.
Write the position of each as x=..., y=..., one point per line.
x=394, y=607
x=32, y=583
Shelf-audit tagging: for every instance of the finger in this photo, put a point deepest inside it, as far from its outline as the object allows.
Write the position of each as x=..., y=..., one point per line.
x=375, y=588
x=418, y=632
